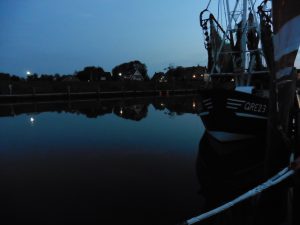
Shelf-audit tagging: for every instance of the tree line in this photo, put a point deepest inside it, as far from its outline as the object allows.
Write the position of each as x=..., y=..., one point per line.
x=123, y=71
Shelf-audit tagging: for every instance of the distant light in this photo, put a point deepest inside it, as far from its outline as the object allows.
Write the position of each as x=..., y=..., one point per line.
x=120, y=74
x=194, y=105
x=28, y=73
x=194, y=76
x=162, y=104
x=232, y=79
x=121, y=111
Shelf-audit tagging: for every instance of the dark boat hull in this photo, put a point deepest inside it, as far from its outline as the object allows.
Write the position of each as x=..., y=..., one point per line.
x=234, y=112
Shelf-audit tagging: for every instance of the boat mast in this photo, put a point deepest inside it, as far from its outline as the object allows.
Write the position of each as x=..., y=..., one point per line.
x=225, y=34
x=244, y=40
x=241, y=15
x=229, y=24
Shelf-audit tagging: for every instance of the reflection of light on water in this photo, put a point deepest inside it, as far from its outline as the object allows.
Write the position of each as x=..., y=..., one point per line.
x=32, y=120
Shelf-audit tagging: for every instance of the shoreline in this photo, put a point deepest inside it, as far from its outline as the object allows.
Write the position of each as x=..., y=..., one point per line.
x=95, y=94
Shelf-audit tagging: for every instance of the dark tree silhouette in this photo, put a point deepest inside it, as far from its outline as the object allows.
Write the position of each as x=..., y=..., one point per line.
x=15, y=78
x=158, y=76
x=184, y=73
x=92, y=73
x=33, y=77
x=46, y=77
x=129, y=68
x=4, y=76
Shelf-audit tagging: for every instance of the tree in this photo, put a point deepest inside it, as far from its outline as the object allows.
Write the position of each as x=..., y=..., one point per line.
x=185, y=73
x=46, y=77
x=33, y=77
x=129, y=68
x=4, y=76
x=91, y=73
x=15, y=78
x=158, y=76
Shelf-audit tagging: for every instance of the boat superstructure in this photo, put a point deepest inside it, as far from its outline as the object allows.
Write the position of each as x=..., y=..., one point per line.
x=239, y=72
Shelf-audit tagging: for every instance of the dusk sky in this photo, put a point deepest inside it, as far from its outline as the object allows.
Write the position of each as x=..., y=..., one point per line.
x=61, y=36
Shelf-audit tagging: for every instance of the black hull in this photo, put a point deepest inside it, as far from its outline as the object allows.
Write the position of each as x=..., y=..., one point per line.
x=234, y=112
x=236, y=166
x=227, y=170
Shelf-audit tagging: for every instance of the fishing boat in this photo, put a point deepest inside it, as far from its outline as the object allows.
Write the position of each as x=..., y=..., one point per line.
x=238, y=67
x=276, y=205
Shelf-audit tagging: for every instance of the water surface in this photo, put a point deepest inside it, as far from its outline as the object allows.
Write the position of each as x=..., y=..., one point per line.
x=99, y=163
x=127, y=161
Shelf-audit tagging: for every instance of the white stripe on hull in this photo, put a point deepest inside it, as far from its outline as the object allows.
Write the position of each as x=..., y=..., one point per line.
x=234, y=104
x=231, y=107
x=250, y=115
x=236, y=100
x=208, y=103
x=206, y=100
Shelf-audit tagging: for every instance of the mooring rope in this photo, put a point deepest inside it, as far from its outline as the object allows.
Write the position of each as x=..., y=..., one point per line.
x=279, y=177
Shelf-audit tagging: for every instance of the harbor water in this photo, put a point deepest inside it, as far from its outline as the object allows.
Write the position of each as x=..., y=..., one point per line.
x=126, y=161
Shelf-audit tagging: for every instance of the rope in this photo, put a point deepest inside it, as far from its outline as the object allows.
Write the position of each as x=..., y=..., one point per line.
x=208, y=5
x=279, y=177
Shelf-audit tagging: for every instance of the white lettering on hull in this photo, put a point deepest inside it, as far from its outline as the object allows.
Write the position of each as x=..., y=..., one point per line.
x=255, y=107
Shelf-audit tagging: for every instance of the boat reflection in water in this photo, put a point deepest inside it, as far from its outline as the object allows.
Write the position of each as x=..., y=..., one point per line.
x=229, y=166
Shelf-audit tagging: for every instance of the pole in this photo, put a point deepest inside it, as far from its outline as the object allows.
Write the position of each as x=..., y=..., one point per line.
x=244, y=40
x=229, y=24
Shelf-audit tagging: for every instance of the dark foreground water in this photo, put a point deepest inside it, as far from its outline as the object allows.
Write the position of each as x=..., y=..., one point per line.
x=133, y=165
x=135, y=161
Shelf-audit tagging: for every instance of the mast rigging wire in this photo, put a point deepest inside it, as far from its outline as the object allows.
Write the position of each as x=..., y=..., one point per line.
x=208, y=5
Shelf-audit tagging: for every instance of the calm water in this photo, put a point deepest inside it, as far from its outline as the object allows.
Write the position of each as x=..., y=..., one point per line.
x=134, y=161
x=99, y=163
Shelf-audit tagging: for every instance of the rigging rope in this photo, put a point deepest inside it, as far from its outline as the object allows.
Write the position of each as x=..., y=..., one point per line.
x=279, y=177
x=208, y=5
